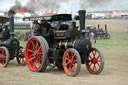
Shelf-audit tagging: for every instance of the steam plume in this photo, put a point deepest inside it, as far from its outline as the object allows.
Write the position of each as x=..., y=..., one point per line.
x=37, y=5
x=17, y=5
x=47, y=4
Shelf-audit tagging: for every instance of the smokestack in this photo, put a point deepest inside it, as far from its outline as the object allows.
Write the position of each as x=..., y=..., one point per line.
x=11, y=14
x=73, y=24
x=82, y=19
x=106, y=28
x=98, y=27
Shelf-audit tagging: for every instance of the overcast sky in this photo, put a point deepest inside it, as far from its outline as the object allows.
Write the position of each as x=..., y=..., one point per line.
x=113, y=5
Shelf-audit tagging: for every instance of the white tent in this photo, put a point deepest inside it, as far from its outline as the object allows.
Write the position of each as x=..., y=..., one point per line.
x=27, y=14
x=1, y=14
x=19, y=15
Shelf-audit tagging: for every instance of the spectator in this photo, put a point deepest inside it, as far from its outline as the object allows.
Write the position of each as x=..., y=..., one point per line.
x=92, y=36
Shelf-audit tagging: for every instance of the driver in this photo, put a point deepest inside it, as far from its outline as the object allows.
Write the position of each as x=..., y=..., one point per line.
x=34, y=27
x=45, y=27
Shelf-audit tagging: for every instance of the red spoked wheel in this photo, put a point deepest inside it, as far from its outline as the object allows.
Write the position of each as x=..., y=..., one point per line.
x=4, y=57
x=71, y=62
x=36, y=53
x=95, y=62
x=21, y=59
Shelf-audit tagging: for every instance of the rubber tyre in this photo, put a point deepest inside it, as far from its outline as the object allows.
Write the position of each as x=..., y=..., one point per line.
x=44, y=50
x=95, y=64
x=70, y=61
x=6, y=53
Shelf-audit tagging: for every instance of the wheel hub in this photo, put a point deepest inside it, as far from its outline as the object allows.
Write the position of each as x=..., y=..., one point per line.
x=94, y=60
x=35, y=53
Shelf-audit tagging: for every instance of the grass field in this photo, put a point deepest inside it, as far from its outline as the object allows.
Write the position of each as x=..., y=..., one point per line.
x=118, y=30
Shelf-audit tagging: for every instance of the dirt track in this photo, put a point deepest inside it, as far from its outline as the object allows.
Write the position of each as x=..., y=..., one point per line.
x=115, y=73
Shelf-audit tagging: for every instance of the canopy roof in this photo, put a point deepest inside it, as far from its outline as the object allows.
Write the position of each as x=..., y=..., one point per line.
x=55, y=17
x=3, y=20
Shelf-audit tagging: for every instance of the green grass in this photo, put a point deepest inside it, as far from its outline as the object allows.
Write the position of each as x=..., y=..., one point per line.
x=118, y=39
x=22, y=30
x=23, y=43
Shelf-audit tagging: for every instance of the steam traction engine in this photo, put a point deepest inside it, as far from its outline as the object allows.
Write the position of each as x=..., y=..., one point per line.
x=9, y=45
x=64, y=47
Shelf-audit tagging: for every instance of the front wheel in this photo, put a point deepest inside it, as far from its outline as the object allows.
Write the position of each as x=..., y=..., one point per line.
x=95, y=61
x=4, y=57
x=71, y=62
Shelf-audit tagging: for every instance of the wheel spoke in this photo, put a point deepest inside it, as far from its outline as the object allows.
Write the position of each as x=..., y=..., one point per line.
x=30, y=50
x=3, y=61
x=19, y=59
x=98, y=57
x=22, y=61
x=72, y=55
x=38, y=64
x=67, y=59
x=74, y=66
x=34, y=62
x=2, y=52
x=74, y=61
x=32, y=55
x=98, y=60
x=39, y=49
x=40, y=59
x=90, y=57
x=94, y=68
x=31, y=59
x=34, y=46
x=66, y=64
x=94, y=54
x=39, y=53
x=91, y=64
x=98, y=64
x=70, y=67
x=68, y=55
x=37, y=44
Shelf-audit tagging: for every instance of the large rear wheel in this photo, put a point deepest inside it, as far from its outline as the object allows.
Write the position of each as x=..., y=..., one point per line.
x=72, y=62
x=95, y=62
x=4, y=57
x=36, y=53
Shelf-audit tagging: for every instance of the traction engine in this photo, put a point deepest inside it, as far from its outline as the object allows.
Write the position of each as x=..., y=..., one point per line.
x=9, y=44
x=65, y=48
